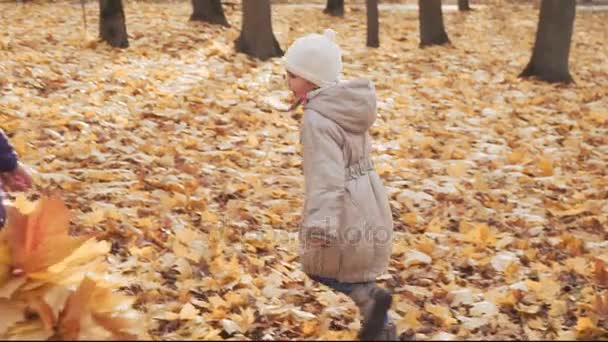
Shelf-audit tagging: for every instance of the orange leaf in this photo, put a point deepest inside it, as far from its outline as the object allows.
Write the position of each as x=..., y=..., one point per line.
x=44, y=312
x=76, y=305
x=585, y=327
x=48, y=256
x=545, y=165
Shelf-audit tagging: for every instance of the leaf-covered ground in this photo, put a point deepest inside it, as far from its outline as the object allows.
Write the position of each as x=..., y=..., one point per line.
x=171, y=150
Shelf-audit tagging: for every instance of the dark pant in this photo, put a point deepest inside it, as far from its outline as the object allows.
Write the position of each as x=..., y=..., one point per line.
x=346, y=288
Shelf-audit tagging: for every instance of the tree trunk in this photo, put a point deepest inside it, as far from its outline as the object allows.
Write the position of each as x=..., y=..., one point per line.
x=549, y=60
x=432, y=31
x=112, y=27
x=463, y=5
x=257, y=38
x=334, y=8
x=209, y=11
x=373, y=39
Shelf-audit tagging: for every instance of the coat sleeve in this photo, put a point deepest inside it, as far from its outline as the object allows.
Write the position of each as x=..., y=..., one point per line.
x=324, y=173
x=8, y=157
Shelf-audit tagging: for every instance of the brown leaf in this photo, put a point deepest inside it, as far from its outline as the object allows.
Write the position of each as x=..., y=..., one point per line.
x=600, y=273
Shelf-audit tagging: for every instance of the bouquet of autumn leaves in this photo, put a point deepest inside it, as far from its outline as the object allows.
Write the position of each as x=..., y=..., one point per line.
x=52, y=284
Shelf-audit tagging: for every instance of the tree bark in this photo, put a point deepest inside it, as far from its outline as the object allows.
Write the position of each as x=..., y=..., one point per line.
x=257, y=38
x=112, y=26
x=334, y=8
x=551, y=51
x=373, y=39
x=432, y=31
x=463, y=5
x=209, y=11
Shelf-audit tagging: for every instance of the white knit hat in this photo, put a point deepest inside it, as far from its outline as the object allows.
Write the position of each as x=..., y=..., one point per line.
x=315, y=58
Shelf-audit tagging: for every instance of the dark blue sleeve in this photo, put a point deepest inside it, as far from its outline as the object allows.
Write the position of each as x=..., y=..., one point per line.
x=8, y=157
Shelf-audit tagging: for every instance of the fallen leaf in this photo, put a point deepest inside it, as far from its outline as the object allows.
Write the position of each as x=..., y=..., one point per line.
x=188, y=312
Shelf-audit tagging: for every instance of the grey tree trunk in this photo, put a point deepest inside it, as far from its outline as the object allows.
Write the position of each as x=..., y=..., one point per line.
x=209, y=11
x=432, y=31
x=257, y=38
x=463, y=5
x=112, y=26
x=373, y=39
x=551, y=51
x=334, y=8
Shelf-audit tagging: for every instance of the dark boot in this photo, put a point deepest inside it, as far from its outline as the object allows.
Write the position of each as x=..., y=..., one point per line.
x=374, y=303
x=388, y=333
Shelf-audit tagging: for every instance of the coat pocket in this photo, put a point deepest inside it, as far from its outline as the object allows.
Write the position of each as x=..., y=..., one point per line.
x=356, y=241
x=316, y=260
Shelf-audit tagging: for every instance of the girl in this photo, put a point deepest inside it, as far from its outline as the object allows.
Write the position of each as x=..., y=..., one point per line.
x=346, y=234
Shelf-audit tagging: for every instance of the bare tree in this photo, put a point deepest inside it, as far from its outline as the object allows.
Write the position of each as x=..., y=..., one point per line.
x=373, y=39
x=463, y=5
x=551, y=51
x=432, y=31
x=334, y=8
x=112, y=26
x=209, y=11
x=257, y=38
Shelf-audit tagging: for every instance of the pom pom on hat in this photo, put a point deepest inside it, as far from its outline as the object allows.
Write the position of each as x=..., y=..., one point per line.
x=330, y=34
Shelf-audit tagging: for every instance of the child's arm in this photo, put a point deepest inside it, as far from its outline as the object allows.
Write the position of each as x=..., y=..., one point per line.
x=325, y=178
x=14, y=175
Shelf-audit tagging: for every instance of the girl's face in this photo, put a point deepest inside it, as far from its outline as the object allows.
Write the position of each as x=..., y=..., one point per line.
x=298, y=85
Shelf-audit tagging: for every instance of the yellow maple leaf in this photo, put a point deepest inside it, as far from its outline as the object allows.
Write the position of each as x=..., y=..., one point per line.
x=120, y=327
x=434, y=226
x=545, y=165
x=442, y=313
x=209, y=217
x=599, y=117
x=479, y=234
x=95, y=217
x=188, y=312
x=244, y=320
x=75, y=307
x=40, y=239
x=457, y=169
x=410, y=320
x=516, y=156
x=235, y=299
x=309, y=328
x=585, y=326
x=558, y=308
x=410, y=219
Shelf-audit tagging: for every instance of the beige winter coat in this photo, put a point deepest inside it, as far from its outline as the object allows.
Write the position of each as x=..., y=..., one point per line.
x=346, y=203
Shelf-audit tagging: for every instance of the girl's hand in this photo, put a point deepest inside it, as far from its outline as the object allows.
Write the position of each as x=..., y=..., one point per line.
x=17, y=180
